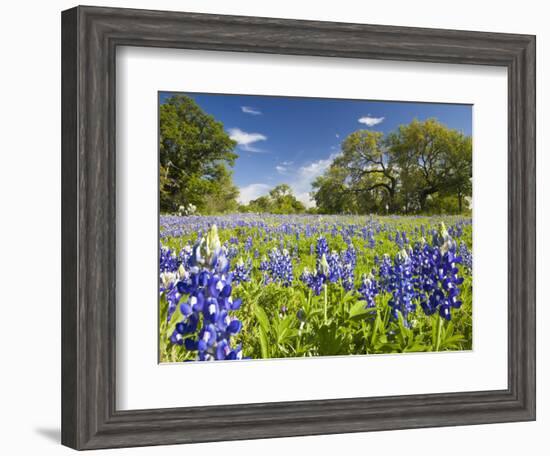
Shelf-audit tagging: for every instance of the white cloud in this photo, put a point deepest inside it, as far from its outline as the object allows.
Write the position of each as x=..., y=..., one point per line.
x=305, y=199
x=282, y=168
x=252, y=191
x=316, y=168
x=246, y=140
x=306, y=174
x=249, y=110
x=370, y=121
x=299, y=179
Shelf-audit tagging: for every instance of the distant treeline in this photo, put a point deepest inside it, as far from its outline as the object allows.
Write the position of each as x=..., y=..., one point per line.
x=423, y=167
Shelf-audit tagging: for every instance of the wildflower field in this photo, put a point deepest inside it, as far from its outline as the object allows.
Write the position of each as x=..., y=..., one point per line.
x=276, y=286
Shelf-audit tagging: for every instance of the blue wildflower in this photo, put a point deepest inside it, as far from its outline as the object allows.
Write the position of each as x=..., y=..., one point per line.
x=439, y=282
x=279, y=267
x=466, y=256
x=241, y=272
x=314, y=281
x=368, y=290
x=208, y=304
x=334, y=270
x=322, y=247
x=401, y=286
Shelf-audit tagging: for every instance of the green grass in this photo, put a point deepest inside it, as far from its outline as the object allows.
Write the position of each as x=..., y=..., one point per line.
x=348, y=328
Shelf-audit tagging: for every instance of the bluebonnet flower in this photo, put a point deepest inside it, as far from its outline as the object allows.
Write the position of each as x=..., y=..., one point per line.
x=241, y=272
x=456, y=230
x=184, y=328
x=440, y=236
x=185, y=256
x=248, y=244
x=384, y=272
x=317, y=279
x=439, y=281
x=172, y=270
x=399, y=240
x=350, y=255
x=372, y=241
x=168, y=262
x=322, y=247
x=167, y=281
x=231, y=252
x=209, y=303
x=368, y=290
x=313, y=281
x=341, y=267
x=466, y=256
x=264, y=264
x=334, y=270
x=348, y=276
x=401, y=286
x=171, y=293
x=332, y=267
x=279, y=267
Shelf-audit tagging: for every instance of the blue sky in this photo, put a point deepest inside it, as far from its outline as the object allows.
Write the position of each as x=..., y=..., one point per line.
x=294, y=140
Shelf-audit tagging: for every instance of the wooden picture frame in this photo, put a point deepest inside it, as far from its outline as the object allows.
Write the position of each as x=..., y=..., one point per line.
x=90, y=37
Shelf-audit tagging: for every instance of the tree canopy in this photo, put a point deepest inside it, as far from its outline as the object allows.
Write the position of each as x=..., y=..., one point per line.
x=280, y=200
x=195, y=159
x=422, y=167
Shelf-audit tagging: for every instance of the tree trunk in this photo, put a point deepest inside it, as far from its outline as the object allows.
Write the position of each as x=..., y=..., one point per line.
x=422, y=200
x=391, y=203
x=424, y=197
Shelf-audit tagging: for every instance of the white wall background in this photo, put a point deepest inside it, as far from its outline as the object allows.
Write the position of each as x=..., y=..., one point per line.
x=30, y=224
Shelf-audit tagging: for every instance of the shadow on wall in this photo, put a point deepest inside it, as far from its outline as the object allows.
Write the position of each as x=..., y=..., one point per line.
x=52, y=434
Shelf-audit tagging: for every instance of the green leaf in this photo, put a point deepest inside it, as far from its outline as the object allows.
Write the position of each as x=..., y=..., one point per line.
x=330, y=342
x=377, y=324
x=358, y=310
x=261, y=316
x=451, y=342
x=406, y=333
x=264, y=345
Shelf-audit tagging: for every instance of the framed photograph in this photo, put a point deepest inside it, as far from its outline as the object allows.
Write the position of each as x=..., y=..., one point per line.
x=282, y=228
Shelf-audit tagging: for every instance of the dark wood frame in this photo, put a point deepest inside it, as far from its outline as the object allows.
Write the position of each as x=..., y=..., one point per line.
x=90, y=36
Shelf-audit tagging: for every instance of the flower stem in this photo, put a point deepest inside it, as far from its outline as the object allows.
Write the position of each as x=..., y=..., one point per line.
x=438, y=338
x=326, y=304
